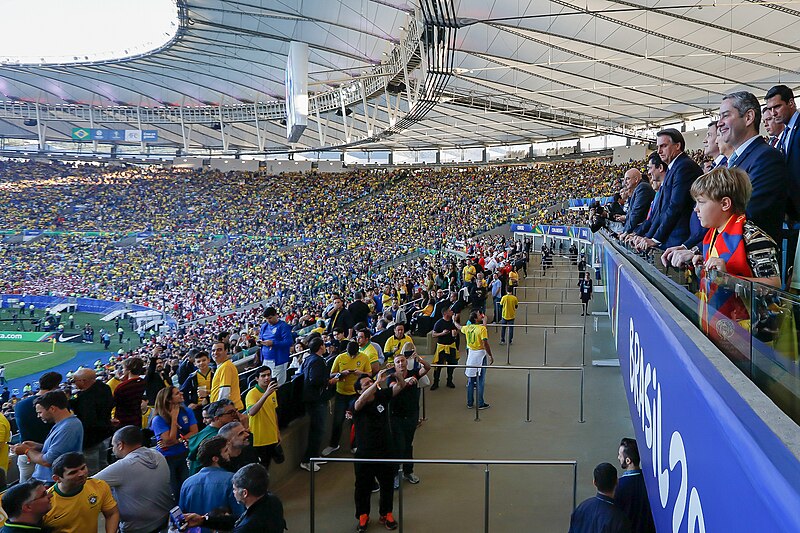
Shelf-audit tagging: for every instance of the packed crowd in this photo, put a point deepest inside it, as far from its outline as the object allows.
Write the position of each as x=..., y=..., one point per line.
x=185, y=416
x=324, y=244
x=197, y=434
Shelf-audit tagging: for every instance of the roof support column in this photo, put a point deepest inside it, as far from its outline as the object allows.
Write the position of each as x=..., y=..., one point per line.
x=222, y=131
x=183, y=132
x=41, y=129
x=139, y=125
x=91, y=125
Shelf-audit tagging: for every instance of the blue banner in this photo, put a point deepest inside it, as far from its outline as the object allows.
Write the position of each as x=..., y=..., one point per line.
x=709, y=461
x=525, y=228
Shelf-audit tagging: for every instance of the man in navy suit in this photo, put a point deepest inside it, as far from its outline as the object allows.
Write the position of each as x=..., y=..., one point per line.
x=740, y=118
x=780, y=102
x=657, y=170
x=773, y=128
x=640, y=196
x=674, y=204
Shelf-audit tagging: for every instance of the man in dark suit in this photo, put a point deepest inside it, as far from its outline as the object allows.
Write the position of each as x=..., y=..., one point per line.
x=773, y=128
x=674, y=204
x=640, y=196
x=780, y=102
x=657, y=170
x=600, y=514
x=740, y=118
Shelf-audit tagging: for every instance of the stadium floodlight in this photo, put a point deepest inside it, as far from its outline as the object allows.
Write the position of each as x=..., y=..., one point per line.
x=86, y=31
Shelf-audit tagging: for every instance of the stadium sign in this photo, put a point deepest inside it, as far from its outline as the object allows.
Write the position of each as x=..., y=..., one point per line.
x=702, y=446
x=24, y=336
x=99, y=134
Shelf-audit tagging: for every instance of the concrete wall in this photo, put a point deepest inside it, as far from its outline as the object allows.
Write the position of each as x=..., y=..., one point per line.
x=188, y=162
x=694, y=139
x=226, y=165
x=624, y=154
x=277, y=167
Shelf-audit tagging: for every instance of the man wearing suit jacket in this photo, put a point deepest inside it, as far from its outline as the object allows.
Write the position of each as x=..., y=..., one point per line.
x=773, y=128
x=780, y=102
x=674, y=204
x=740, y=118
x=657, y=170
x=640, y=196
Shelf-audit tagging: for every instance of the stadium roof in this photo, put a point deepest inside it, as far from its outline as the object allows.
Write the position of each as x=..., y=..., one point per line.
x=430, y=74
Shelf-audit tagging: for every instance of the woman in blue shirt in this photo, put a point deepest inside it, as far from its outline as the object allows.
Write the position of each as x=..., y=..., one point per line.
x=172, y=425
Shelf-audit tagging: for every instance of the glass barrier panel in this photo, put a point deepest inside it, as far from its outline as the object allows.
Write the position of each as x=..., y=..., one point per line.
x=775, y=368
x=754, y=325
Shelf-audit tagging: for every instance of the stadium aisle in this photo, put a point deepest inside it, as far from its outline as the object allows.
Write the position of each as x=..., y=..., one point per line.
x=522, y=498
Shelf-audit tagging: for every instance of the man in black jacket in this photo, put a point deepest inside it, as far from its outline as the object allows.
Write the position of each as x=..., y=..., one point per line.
x=315, y=384
x=92, y=405
x=264, y=512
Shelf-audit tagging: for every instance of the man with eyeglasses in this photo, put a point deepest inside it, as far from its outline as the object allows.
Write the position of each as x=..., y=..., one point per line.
x=221, y=412
x=26, y=504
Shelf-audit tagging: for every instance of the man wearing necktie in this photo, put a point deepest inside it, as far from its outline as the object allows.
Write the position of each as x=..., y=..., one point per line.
x=780, y=102
x=739, y=122
x=674, y=203
x=773, y=128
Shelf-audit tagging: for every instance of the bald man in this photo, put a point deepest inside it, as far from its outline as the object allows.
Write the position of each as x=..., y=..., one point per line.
x=92, y=405
x=640, y=195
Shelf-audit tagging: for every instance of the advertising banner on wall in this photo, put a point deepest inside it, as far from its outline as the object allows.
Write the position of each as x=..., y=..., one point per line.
x=709, y=461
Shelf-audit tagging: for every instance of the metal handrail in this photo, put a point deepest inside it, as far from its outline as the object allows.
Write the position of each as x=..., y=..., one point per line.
x=529, y=369
x=485, y=463
x=554, y=327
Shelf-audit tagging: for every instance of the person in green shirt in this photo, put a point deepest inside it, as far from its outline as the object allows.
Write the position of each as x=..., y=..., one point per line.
x=221, y=412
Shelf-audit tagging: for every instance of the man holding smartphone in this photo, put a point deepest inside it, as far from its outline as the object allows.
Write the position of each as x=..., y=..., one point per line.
x=346, y=369
x=262, y=403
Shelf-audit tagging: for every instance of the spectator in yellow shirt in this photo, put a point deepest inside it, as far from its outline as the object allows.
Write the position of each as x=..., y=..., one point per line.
x=262, y=405
x=508, y=304
x=225, y=384
x=78, y=500
x=395, y=343
x=346, y=369
x=5, y=437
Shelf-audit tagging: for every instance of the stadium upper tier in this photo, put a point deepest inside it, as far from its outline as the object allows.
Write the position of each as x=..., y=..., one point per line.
x=185, y=273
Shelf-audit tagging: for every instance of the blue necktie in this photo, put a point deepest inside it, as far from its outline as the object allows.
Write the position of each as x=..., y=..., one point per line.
x=732, y=160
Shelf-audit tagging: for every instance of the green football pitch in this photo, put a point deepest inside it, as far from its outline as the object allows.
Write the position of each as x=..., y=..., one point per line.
x=25, y=358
